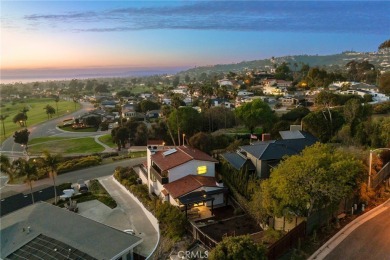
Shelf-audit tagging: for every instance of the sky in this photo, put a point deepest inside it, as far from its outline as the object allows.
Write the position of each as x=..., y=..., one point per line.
x=170, y=34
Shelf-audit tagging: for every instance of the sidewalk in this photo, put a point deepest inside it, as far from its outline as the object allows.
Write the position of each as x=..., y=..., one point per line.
x=107, y=149
x=332, y=243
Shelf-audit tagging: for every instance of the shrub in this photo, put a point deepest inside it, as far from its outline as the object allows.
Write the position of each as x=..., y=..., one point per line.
x=78, y=163
x=172, y=221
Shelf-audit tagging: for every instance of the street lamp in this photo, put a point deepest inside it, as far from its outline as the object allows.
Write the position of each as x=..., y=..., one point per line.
x=183, y=138
x=370, y=165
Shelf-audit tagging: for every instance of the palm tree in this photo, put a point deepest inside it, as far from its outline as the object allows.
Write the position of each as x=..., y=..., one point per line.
x=2, y=118
x=50, y=111
x=6, y=166
x=57, y=99
x=176, y=103
x=24, y=112
x=20, y=118
x=30, y=172
x=51, y=162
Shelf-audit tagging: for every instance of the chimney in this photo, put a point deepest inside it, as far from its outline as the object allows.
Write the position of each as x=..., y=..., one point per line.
x=266, y=137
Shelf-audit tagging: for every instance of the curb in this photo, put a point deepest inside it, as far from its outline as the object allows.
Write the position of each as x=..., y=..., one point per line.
x=333, y=242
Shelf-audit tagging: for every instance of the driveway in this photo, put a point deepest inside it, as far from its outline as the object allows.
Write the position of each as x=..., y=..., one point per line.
x=134, y=219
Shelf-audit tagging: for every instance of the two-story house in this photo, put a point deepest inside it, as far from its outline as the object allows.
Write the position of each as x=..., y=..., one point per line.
x=181, y=176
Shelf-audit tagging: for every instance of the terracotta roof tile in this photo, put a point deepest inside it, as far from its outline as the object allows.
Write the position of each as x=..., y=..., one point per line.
x=182, y=155
x=189, y=183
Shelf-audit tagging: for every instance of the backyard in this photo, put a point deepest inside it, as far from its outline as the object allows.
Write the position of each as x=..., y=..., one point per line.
x=236, y=226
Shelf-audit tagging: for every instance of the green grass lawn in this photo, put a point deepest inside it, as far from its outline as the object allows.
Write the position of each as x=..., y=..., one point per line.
x=107, y=140
x=83, y=145
x=45, y=140
x=36, y=113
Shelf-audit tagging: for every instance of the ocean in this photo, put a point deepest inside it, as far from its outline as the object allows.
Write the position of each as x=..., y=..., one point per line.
x=41, y=75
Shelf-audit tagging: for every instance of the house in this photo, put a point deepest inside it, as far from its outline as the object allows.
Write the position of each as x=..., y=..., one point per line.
x=267, y=153
x=108, y=103
x=221, y=102
x=277, y=83
x=274, y=90
x=145, y=95
x=153, y=114
x=41, y=230
x=238, y=162
x=244, y=93
x=128, y=112
x=289, y=101
x=181, y=176
x=181, y=91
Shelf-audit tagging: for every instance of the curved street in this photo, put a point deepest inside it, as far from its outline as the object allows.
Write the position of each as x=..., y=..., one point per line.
x=366, y=238
x=86, y=174
x=45, y=129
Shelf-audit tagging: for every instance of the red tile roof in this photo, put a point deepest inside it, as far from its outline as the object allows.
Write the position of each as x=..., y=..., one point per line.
x=182, y=155
x=189, y=183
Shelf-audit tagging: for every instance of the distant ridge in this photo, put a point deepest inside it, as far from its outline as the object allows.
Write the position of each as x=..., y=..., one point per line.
x=332, y=62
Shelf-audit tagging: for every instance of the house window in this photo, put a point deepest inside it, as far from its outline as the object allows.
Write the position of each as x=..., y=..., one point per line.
x=202, y=170
x=153, y=177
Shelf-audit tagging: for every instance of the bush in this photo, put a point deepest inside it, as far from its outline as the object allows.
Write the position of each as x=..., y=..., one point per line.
x=64, y=186
x=78, y=163
x=126, y=173
x=172, y=221
x=382, y=108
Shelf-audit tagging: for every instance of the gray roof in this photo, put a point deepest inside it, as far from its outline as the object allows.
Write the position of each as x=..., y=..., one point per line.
x=234, y=159
x=237, y=161
x=293, y=142
x=50, y=222
x=296, y=134
x=268, y=150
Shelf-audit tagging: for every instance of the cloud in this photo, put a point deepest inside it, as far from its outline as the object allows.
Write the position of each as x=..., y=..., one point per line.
x=354, y=17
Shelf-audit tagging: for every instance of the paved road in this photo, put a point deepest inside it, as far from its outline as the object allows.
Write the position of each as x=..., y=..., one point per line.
x=86, y=174
x=137, y=220
x=370, y=240
x=367, y=237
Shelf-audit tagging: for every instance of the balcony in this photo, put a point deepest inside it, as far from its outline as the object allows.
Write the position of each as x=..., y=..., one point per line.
x=161, y=177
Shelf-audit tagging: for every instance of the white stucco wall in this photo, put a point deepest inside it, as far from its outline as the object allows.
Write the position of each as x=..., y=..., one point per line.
x=190, y=168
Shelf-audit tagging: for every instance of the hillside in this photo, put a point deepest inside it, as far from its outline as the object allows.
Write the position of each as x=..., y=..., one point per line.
x=380, y=59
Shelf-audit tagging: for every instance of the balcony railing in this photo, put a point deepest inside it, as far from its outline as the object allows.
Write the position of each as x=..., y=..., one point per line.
x=162, y=178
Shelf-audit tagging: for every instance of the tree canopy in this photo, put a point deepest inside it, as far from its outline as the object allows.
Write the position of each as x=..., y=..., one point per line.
x=301, y=184
x=255, y=113
x=384, y=83
x=21, y=137
x=186, y=119
x=239, y=247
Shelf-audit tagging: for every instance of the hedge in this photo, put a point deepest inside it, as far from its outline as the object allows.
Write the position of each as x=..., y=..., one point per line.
x=78, y=163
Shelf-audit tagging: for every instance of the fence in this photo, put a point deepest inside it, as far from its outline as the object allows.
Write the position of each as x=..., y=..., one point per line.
x=288, y=241
x=382, y=175
x=202, y=237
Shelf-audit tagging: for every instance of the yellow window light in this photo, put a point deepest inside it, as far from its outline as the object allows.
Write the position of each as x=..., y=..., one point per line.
x=202, y=169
